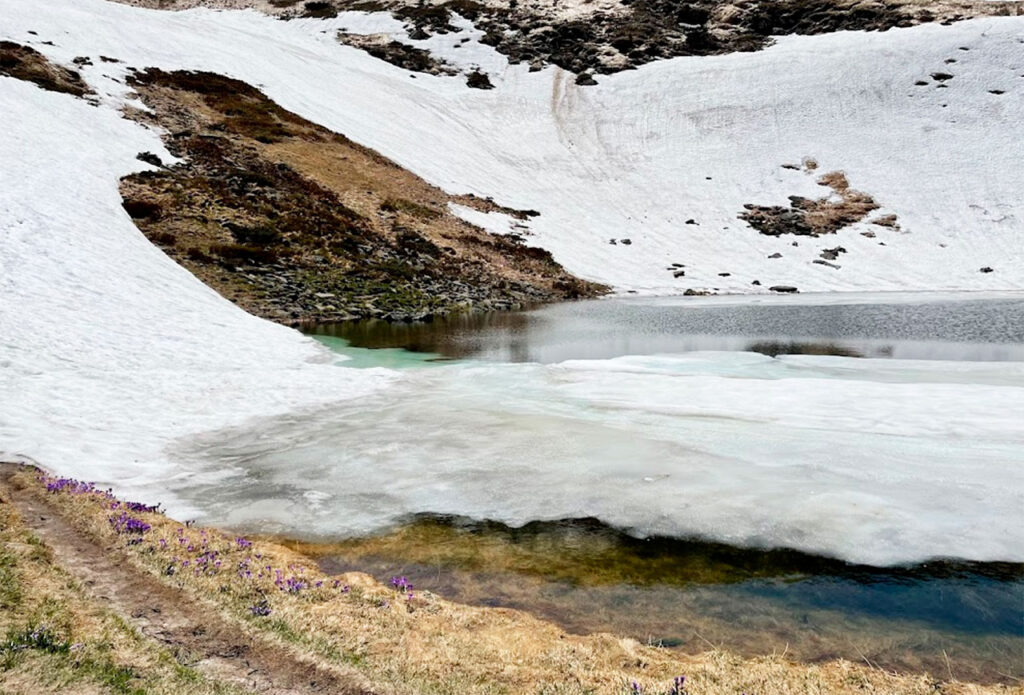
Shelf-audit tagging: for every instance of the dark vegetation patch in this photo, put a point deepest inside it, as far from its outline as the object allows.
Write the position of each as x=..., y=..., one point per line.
x=26, y=63
x=292, y=249
x=402, y=55
x=319, y=9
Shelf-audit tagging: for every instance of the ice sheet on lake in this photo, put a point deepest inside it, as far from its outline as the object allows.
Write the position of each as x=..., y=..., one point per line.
x=875, y=462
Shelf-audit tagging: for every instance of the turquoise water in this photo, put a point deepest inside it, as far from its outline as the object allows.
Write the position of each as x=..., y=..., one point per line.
x=390, y=358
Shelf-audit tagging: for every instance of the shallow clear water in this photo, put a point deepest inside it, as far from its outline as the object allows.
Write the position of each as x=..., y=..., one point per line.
x=600, y=410
x=937, y=617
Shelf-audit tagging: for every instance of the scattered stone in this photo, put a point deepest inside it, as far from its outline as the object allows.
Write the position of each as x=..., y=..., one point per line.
x=149, y=158
x=585, y=79
x=986, y=269
x=479, y=80
x=613, y=242
x=921, y=83
x=775, y=255
x=691, y=221
x=890, y=221
x=724, y=275
x=869, y=235
x=941, y=76
x=832, y=254
x=794, y=167
x=949, y=61
x=830, y=265
x=756, y=282
x=784, y=289
x=996, y=91
x=679, y=274
x=627, y=242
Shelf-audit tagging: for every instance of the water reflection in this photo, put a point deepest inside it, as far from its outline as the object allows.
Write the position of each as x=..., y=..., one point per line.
x=977, y=330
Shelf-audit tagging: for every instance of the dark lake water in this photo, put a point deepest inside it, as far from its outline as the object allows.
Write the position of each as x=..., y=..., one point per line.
x=902, y=327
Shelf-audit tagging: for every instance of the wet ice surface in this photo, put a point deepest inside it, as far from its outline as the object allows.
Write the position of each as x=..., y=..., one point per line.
x=874, y=461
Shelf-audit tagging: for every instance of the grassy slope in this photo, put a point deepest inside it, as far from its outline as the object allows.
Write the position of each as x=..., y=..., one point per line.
x=56, y=638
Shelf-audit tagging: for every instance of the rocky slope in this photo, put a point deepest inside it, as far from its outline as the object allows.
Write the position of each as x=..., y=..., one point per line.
x=607, y=36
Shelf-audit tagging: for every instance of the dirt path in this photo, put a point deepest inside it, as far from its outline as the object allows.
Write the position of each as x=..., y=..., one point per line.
x=196, y=635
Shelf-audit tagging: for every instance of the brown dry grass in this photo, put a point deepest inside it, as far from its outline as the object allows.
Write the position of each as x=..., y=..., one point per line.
x=428, y=645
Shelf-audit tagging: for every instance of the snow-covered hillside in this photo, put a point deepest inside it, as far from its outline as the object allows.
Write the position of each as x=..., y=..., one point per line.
x=643, y=152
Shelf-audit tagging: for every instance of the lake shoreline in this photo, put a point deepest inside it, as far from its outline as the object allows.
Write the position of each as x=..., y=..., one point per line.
x=382, y=637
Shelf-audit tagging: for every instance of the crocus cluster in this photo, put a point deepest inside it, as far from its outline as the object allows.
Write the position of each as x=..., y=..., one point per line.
x=260, y=608
x=124, y=524
x=678, y=687
x=403, y=585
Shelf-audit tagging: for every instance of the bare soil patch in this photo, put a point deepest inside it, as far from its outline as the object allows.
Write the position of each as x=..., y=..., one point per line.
x=296, y=223
x=814, y=217
x=26, y=63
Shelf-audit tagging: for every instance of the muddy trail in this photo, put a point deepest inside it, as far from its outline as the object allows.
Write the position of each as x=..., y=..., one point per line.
x=197, y=635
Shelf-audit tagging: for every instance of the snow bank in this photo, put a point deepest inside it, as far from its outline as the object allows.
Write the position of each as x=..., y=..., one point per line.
x=109, y=350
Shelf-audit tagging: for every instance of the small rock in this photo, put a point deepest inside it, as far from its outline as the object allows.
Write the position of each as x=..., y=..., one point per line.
x=627, y=242
x=830, y=265
x=941, y=76
x=724, y=275
x=869, y=235
x=775, y=255
x=479, y=80
x=756, y=282
x=785, y=289
x=691, y=221
x=585, y=79
x=986, y=269
x=679, y=274
x=612, y=242
x=996, y=91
